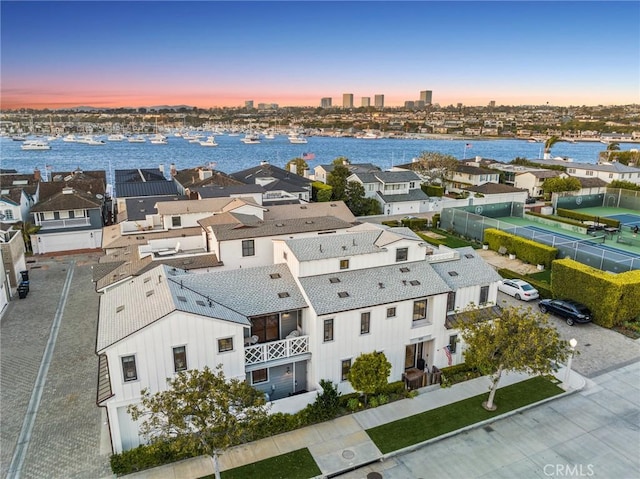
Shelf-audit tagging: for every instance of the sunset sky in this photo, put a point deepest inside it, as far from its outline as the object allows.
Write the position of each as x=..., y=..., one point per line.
x=207, y=54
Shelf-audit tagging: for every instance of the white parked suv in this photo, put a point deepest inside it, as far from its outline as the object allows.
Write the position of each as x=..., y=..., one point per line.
x=518, y=289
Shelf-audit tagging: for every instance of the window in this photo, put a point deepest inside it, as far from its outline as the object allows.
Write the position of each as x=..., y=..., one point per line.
x=225, y=344
x=484, y=294
x=391, y=312
x=176, y=221
x=328, y=330
x=259, y=376
x=248, y=248
x=129, y=371
x=451, y=301
x=419, y=309
x=365, y=323
x=8, y=214
x=453, y=342
x=267, y=328
x=344, y=264
x=412, y=185
x=180, y=358
x=610, y=175
x=345, y=368
x=402, y=254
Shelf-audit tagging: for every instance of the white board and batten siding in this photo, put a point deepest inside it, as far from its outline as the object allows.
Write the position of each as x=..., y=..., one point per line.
x=153, y=350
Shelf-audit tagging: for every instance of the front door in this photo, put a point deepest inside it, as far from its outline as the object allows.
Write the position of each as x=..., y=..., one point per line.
x=413, y=353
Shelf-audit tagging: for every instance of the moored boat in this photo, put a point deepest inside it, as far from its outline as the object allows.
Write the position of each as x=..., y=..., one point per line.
x=35, y=145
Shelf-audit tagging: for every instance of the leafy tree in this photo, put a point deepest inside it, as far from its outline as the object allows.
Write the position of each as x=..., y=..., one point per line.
x=613, y=146
x=301, y=165
x=357, y=203
x=369, y=373
x=520, y=340
x=625, y=185
x=435, y=167
x=559, y=185
x=337, y=179
x=341, y=160
x=549, y=144
x=201, y=411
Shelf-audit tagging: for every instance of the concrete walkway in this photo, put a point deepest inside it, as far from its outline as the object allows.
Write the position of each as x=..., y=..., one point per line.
x=342, y=444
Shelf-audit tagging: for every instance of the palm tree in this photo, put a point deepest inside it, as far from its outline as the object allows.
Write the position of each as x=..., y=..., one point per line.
x=27, y=230
x=549, y=144
x=613, y=146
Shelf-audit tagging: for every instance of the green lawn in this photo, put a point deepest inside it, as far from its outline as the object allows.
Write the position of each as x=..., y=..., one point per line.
x=449, y=240
x=415, y=429
x=293, y=465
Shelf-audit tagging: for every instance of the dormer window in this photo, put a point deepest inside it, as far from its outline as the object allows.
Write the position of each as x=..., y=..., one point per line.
x=176, y=222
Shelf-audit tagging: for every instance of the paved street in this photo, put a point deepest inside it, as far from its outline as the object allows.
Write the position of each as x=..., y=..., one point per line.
x=65, y=438
x=594, y=433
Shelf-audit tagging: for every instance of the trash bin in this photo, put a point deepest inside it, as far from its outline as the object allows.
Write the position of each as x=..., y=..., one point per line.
x=25, y=275
x=23, y=290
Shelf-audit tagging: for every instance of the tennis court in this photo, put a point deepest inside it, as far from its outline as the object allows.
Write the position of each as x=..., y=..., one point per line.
x=626, y=219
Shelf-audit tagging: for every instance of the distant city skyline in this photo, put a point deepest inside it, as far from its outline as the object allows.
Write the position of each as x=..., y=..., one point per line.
x=222, y=54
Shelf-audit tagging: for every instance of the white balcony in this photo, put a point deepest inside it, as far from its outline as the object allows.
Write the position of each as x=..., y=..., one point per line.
x=66, y=223
x=285, y=348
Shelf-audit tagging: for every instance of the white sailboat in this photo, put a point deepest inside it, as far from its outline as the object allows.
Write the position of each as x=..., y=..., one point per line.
x=210, y=141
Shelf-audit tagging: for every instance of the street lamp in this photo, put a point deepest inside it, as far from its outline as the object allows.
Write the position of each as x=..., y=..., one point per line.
x=572, y=347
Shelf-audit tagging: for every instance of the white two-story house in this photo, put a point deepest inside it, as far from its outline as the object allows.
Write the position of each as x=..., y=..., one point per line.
x=284, y=327
x=397, y=192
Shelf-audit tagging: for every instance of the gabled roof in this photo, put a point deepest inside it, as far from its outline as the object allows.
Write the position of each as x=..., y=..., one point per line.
x=190, y=178
x=130, y=307
x=226, y=287
x=267, y=170
x=357, y=241
x=113, y=238
x=211, y=205
x=614, y=167
x=125, y=263
x=139, y=208
x=352, y=167
x=139, y=175
x=592, y=182
x=285, y=185
x=13, y=196
x=371, y=287
x=474, y=170
x=63, y=201
x=309, y=210
x=541, y=173
x=388, y=177
x=470, y=270
x=236, y=226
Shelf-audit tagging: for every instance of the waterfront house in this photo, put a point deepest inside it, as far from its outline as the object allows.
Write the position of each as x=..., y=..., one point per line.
x=280, y=185
x=321, y=172
x=18, y=193
x=68, y=220
x=605, y=171
x=533, y=180
x=469, y=174
x=285, y=326
x=397, y=192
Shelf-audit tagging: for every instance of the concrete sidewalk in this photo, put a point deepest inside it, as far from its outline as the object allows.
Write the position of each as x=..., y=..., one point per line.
x=342, y=444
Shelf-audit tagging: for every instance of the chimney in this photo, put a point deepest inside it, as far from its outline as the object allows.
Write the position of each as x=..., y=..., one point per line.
x=173, y=169
x=36, y=175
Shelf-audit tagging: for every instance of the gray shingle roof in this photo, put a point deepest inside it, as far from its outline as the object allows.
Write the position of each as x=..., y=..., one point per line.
x=388, y=177
x=334, y=246
x=372, y=287
x=214, y=191
x=412, y=195
x=470, y=271
x=235, y=289
x=139, y=208
x=131, y=307
x=149, y=188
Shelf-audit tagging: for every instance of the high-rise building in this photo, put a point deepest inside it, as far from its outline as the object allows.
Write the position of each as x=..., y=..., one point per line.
x=420, y=104
x=426, y=96
x=366, y=101
x=459, y=106
x=409, y=105
x=347, y=100
x=325, y=102
x=248, y=104
x=492, y=104
x=379, y=101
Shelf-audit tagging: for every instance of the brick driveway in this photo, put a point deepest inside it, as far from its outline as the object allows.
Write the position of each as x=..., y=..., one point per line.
x=65, y=440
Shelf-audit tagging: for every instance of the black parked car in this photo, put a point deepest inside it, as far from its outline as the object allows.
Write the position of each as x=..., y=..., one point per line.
x=572, y=311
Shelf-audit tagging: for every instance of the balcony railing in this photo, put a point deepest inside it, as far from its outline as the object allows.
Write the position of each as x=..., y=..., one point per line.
x=66, y=223
x=285, y=348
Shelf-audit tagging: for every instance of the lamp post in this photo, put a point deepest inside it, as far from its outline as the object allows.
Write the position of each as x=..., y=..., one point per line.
x=572, y=347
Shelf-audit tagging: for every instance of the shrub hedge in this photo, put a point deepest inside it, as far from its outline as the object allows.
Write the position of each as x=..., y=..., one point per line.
x=416, y=224
x=612, y=298
x=585, y=217
x=432, y=190
x=321, y=192
x=524, y=249
x=456, y=374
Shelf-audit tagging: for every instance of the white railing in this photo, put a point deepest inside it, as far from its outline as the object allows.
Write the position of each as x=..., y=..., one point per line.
x=66, y=223
x=438, y=256
x=285, y=348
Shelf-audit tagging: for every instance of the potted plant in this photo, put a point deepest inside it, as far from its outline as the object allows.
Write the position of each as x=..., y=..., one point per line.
x=512, y=256
x=485, y=245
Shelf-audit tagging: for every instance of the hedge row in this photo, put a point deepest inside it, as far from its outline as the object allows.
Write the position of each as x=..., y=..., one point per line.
x=612, y=298
x=585, y=217
x=556, y=218
x=525, y=249
x=321, y=192
x=416, y=224
x=432, y=190
x=543, y=288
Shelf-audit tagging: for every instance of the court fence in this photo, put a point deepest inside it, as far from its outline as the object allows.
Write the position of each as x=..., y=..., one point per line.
x=589, y=251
